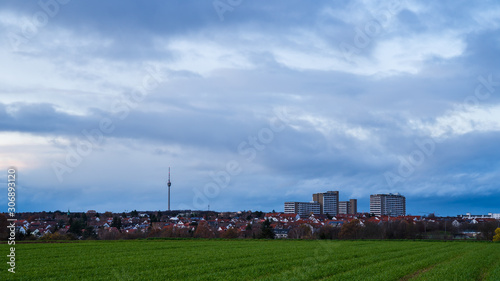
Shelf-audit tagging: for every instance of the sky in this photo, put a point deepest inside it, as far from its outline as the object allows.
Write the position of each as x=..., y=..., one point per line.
x=250, y=103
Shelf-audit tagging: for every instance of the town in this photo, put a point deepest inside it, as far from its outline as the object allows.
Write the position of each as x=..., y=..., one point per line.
x=60, y=225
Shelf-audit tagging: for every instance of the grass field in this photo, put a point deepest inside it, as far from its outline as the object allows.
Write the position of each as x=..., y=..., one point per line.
x=254, y=259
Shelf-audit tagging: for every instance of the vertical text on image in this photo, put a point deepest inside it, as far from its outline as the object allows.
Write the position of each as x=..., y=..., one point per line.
x=11, y=209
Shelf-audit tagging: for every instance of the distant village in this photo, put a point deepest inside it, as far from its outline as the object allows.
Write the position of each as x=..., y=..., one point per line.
x=61, y=225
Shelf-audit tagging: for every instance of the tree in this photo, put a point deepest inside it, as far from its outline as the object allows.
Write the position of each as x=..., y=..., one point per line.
x=230, y=233
x=248, y=231
x=117, y=222
x=93, y=232
x=76, y=227
x=401, y=230
x=487, y=230
x=203, y=231
x=328, y=232
x=496, y=238
x=155, y=232
x=350, y=230
x=372, y=231
x=304, y=231
x=57, y=236
x=89, y=232
x=259, y=214
x=267, y=230
x=33, y=218
x=4, y=232
x=153, y=218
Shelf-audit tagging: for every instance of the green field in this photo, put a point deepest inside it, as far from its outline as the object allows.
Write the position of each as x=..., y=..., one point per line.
x=254, y=259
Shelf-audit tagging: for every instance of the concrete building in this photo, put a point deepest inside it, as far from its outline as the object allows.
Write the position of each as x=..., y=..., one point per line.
x=353, y=208
x=344, y=207
x=329, y=202
x=388, y=204
x=348, y=207
x=291, y=207
x=303, y=209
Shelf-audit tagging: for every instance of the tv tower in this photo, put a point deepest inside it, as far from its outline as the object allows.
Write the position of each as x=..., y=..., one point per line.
x=169, y=184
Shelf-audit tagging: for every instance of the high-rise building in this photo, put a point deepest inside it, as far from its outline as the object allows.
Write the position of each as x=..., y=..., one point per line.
x=353, y=208
x=348, y=207
x=303, y=209
x=344, y=207
x=291, y=207
x=329, y=202
x=388, y=204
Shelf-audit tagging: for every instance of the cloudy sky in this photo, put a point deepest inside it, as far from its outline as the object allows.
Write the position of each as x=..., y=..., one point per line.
x=251, y=104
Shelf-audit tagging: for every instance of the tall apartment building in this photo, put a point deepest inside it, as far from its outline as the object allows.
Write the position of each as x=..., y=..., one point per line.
x=353, y=208
x=329, y=202
x=303, y=209
x=344, y=207
x=348, y=207
x=388, y=204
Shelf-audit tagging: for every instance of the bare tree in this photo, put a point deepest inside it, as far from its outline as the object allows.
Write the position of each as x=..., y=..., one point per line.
x=203, y=231
x=350, y=230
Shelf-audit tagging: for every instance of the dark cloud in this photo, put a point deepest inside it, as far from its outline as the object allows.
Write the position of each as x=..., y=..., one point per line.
x=347, y=123
x=40, y=118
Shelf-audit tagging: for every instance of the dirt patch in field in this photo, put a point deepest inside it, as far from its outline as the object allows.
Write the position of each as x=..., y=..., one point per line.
x=417, y=273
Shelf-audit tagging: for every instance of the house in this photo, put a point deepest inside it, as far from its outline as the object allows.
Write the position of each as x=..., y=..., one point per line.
x=21, y=229
x=335, y=223
x=158, y=225
x=281, y=233
x=290, y=217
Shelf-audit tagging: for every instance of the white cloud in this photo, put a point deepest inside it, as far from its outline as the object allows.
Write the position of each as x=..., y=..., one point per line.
x=410, y=54
x=462, y=121
x=358, y=13
x=204, y=56
x=389, y=57
x=487, y=19
x=24, y=151
x=329, y=127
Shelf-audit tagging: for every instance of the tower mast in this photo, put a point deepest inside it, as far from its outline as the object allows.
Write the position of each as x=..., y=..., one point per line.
x=169, y=184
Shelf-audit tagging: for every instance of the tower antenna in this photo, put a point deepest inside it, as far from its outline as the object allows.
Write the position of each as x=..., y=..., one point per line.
x=169, y=184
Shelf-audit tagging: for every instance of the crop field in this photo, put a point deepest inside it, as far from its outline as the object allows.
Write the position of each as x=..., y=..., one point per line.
x=198, y=259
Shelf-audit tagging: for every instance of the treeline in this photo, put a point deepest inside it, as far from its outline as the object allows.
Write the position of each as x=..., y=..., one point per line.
x=352, y=230
x=201, y=230
x=401, y=229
